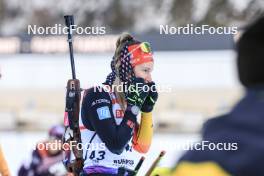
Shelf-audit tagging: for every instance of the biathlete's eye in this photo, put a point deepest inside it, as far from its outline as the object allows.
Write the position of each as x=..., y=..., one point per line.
x=146, y=70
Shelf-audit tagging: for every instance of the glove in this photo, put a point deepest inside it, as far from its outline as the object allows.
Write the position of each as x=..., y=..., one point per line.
x=151, y=98
x=136, y=94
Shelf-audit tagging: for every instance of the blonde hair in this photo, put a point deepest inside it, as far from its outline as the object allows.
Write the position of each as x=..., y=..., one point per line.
x=120, y=43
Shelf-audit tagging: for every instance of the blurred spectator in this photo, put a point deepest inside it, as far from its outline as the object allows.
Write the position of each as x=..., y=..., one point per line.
x=239, y=135
x=47, y=157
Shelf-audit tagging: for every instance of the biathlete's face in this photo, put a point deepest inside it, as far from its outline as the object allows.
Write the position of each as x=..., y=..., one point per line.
x=144, y=71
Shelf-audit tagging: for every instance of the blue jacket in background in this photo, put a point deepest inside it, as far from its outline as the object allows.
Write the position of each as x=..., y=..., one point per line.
x=244, y=125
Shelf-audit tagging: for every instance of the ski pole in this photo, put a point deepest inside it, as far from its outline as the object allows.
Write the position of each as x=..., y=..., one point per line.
x=155, y=163
x=139, y=164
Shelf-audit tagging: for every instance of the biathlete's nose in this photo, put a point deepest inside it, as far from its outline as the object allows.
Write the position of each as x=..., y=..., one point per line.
x=148, y=78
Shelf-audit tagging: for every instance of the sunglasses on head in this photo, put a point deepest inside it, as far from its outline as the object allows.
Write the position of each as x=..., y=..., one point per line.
x=144, y=47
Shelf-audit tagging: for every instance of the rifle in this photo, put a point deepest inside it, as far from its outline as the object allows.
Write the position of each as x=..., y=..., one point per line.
x=71, y=120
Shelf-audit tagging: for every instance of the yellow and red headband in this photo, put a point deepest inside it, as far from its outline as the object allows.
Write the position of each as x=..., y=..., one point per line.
x=140, y=53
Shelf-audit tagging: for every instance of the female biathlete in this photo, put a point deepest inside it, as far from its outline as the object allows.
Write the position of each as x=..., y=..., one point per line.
x=109, y=112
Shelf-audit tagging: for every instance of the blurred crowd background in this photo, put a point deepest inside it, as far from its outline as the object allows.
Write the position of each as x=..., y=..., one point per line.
x=199, y=69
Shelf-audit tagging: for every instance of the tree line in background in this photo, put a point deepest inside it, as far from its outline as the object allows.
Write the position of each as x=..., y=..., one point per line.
x=133, y=16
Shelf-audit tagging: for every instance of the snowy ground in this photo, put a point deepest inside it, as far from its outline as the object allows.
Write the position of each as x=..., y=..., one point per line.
x=17, y=147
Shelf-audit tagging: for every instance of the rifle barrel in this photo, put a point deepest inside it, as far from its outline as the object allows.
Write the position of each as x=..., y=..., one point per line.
x=69, y=21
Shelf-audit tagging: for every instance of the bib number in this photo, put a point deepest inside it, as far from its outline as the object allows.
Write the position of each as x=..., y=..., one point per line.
x=100, y=155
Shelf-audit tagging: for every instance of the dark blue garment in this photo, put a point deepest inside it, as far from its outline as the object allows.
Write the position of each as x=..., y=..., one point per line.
x=114, y=136
x=244, y=125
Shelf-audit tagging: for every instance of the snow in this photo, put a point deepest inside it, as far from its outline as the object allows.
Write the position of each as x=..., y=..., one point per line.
x=17, y=148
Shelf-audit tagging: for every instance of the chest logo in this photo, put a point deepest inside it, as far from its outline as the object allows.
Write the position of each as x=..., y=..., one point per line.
x=103, y=112
x=119, y=113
